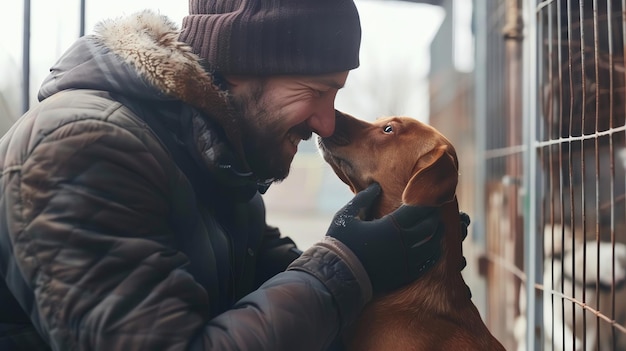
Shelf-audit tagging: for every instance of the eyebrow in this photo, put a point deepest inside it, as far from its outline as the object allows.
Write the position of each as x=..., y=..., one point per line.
x=329, y=82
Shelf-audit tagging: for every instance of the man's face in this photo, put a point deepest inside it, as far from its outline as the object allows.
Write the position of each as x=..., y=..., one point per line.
x=281, y=111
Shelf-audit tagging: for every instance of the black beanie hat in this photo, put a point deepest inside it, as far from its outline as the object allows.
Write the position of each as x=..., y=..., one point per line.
x=274, y=37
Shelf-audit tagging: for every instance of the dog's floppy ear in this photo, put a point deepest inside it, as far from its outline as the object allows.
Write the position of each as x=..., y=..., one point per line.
x=434, y=179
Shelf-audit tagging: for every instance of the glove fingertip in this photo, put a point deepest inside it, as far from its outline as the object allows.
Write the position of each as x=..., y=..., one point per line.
x=373, y=188
x=407, y=215
x=366, y=196
x=465, y=218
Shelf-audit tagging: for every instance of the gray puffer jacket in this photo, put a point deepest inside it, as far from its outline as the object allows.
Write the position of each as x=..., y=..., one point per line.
x=129, y=219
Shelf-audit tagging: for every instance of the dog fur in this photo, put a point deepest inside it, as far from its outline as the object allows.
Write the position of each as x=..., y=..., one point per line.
x=415, y=165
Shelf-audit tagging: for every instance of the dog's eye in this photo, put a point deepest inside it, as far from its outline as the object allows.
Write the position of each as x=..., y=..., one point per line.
x=388, y=129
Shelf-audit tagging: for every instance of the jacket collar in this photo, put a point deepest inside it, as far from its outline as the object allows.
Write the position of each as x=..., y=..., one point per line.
x=149, y=43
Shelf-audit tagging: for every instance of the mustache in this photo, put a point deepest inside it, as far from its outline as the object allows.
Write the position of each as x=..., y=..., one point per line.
x=302, y=131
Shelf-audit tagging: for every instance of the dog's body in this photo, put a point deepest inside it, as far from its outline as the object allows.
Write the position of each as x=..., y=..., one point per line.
x=416, y=165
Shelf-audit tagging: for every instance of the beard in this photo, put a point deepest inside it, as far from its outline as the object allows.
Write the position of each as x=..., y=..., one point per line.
x=264, y=135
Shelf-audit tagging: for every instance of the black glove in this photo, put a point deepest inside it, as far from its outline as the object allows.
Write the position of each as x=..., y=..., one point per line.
x=465, y=222
x=396, y=249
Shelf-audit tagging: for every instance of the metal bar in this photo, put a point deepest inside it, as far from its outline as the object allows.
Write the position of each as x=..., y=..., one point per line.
x=586, y=307
x=609, y=11
x=596, y=55
x=623, y=57
x=26, y=58
x=497, y=260
x=504, y=151
x=512, y=30
x=543, y=4
x=532, y=246
x=560, y=68
x=561, y=185
x=82, y=17
x=583, y=117
x=550, y=151
x=496, y=153
x=478, y=224
x=581, y=137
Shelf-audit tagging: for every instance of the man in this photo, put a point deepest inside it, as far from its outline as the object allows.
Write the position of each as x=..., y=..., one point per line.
x=131, y=209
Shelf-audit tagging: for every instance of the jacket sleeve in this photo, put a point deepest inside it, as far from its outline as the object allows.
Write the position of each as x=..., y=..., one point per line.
x=303, y=308
x=95, y=246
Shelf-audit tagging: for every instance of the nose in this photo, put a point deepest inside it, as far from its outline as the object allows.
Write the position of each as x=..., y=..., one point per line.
x=323, y=122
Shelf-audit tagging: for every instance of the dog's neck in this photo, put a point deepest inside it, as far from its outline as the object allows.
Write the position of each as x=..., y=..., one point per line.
x=442, y=289
x=388, y=203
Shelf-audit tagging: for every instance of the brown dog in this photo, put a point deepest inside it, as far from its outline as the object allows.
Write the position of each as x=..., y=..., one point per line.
x=416, y=165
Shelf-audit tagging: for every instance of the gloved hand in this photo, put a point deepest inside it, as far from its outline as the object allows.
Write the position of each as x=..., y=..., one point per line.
x=396, y=249
x=465, y=222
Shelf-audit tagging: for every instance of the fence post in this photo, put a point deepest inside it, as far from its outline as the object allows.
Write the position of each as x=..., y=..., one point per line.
x=533, y=247
x=26, y=58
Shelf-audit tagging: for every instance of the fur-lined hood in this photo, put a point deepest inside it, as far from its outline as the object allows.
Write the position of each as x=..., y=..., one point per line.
x=139, y=56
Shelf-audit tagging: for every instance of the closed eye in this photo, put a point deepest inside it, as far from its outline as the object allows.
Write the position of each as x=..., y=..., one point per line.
x=388, y=129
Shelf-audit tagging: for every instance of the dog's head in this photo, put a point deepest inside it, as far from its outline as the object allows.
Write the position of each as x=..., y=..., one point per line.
x=413, y=163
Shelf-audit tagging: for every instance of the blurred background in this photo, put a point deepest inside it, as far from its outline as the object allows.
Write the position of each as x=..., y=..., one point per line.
x=530, y=92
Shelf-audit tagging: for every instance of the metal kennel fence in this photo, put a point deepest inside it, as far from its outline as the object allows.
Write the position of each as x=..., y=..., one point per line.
x=550, y=88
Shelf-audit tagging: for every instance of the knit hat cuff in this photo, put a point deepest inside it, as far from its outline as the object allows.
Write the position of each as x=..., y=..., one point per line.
x=322, y=37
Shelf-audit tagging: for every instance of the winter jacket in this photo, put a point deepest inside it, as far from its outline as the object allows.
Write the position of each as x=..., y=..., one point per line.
x=129, y=219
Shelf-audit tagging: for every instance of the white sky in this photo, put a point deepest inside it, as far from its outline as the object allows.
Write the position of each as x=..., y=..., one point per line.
x=394, y=60
x=394, y=50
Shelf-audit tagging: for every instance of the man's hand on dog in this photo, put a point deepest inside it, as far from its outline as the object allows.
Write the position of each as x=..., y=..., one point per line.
x=395, y=249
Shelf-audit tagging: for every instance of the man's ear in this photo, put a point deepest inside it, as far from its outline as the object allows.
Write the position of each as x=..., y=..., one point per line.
x=434, y=180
